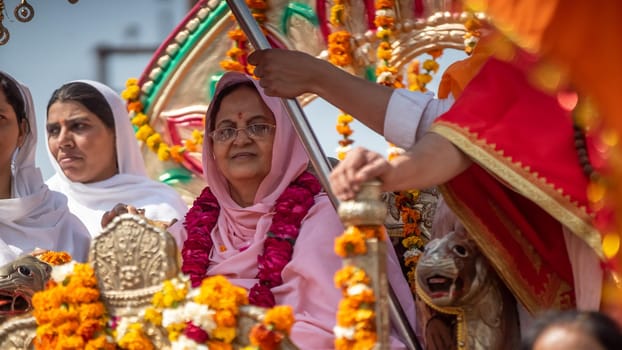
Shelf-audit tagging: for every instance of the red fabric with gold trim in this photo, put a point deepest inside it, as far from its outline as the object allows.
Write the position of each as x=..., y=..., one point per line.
x=525, y=139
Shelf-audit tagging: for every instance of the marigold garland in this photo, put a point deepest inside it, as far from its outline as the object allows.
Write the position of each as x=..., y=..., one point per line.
x=146, y=134
x=55, y=258
x=236, y=55
x=413, y=240
x=69, y=313
x=340, y=54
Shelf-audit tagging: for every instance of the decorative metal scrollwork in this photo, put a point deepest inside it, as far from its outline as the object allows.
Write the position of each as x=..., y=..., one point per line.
x=23, y=12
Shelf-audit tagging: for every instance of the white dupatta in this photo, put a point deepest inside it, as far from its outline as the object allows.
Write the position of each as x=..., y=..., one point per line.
x=36, y=217
x=130, y=186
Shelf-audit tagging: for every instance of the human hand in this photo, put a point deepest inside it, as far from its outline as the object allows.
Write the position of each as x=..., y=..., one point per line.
x=360, y=165
x=286, y=73
x=119, y=209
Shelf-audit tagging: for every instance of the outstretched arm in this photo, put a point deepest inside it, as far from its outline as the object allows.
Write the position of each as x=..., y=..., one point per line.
x=289, y=74
x=432, y=161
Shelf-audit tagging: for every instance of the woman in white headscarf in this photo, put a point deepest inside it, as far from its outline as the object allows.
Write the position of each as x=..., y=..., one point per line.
x=31, y=216
x=97, y=158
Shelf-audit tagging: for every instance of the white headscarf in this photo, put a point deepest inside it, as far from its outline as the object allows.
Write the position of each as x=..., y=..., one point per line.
x=34, y=216
x=130, y=186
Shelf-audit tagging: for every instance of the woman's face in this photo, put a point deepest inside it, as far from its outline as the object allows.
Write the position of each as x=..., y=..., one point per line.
x=12, y=134
x=244, y=157
x=81, y=143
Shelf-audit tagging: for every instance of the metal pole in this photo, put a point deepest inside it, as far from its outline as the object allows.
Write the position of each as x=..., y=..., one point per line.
x=316, y=154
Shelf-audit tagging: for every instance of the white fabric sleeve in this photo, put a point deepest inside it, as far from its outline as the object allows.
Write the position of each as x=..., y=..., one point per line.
x=410, y=114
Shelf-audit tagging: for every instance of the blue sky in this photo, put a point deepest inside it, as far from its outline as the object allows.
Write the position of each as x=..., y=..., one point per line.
x=58, y=45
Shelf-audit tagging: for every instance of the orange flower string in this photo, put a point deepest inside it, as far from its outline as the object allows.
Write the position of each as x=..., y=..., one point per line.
x=340, y=54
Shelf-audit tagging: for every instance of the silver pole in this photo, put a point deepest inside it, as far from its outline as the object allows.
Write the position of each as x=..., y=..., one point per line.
x=316, y=154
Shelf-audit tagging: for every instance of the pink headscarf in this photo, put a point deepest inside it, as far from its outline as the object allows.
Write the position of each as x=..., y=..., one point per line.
x=237, y=225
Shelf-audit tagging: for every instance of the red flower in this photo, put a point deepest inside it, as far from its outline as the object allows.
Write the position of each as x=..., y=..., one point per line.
x=196, y=333
x=290, y=209
x=261, y=296
x=277, y=253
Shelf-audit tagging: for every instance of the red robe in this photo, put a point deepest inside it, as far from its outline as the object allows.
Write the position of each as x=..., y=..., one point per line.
x=525, y=183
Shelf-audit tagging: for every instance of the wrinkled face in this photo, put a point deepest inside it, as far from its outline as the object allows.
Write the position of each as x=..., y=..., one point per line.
x=244, y=157
x=12, y=135
x=81, y=143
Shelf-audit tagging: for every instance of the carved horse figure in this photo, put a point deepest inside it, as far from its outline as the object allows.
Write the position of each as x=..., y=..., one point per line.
x=454, y=277
x=19, y=280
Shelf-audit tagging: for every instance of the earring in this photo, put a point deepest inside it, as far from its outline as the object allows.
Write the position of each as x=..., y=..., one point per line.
x=14, y=162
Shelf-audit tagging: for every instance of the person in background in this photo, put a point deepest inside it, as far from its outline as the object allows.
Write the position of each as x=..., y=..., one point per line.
x=31, y=216
x=264, y=221
x=97, y=159
x=573, y=330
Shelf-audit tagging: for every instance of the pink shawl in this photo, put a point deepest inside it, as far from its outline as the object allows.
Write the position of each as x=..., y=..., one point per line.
x=308, y=277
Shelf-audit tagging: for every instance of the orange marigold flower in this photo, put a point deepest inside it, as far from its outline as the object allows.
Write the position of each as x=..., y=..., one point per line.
x=70, y=342
x=91, y=310
x=177, y=153
x=257, y=4
x=135, y=106
x=225, y=318
x=218, y=345
x=347, y=245
x=384, y=4
x=384, y=21
x=263, y=337
x=230, y=65
x=345, y=317
x=430, y=65
x=83, y=295
x=344, y=129
x=100, y=343
x=280, y=317
x=435, y=53
x=236, y=34
x=234, y=52
x=87, y=328
x=55, y=258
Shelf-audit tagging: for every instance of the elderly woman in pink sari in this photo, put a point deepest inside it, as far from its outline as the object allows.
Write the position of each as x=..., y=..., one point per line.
x=264, y=221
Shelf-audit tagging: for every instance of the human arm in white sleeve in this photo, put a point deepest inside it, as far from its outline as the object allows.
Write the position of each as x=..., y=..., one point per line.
x=409, y=115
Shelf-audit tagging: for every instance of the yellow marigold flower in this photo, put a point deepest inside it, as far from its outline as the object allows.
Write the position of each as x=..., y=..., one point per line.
x=140, y=119
x=226, y=334
x=131, y=93
x=344, y=119
x=130, y=82
x=281, y=318
x=364, y=315
x=153, y=141
x=144, y=132
x=153, y=316
x=411, y=261
x=163, y=153
x=412, y=241
x=135, y=339
x=174, y=330
x=430, y=65
x=337, y=14
x=350, y=275
x=424, y=78
x=383, y=33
